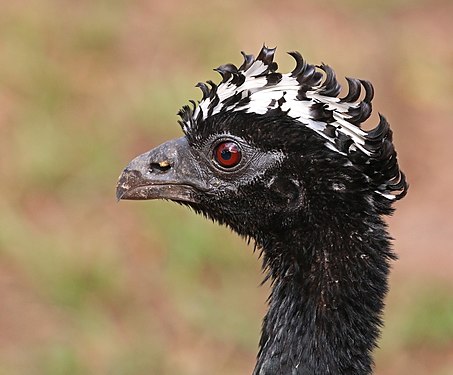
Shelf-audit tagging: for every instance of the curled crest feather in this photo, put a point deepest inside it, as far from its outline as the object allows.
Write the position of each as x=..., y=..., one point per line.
x=310, y=95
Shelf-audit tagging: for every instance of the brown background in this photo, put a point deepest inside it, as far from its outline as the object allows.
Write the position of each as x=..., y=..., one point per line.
x=89, y=286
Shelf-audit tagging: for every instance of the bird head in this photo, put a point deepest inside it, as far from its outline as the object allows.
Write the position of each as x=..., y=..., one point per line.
x=264, y=151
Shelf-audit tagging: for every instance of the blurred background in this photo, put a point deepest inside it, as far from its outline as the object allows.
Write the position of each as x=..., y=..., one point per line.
x=92, y=286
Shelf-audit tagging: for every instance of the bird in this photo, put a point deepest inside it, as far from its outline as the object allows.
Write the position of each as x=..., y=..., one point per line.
x=283, y=159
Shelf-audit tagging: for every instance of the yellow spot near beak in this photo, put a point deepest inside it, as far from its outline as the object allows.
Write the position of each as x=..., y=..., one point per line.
x=164, y=164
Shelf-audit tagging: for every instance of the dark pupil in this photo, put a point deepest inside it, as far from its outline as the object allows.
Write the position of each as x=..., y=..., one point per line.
x=226, y=154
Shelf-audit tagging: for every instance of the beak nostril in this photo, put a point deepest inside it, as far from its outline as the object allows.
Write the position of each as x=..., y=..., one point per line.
x=162, y=166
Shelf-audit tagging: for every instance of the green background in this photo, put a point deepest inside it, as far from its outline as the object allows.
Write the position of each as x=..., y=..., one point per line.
x=90, y=286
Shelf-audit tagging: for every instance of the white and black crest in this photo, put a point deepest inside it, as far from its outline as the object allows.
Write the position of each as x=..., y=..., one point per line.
x=310, y=95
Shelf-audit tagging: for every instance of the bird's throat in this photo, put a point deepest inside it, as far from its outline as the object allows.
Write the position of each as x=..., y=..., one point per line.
x=326, y=302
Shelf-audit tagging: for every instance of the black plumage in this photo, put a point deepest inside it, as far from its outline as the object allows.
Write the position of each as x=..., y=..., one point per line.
x=281, y=159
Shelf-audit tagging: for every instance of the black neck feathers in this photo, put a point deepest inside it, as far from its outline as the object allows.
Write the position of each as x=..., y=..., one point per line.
x=328, y=289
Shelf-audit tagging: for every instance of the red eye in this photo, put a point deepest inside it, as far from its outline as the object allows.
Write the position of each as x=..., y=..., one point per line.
x=227, y=154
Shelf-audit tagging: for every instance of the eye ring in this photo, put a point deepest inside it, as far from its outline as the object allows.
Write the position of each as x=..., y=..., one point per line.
x=227, y=154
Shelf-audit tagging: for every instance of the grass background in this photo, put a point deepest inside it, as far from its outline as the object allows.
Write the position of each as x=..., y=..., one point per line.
x=89, y=286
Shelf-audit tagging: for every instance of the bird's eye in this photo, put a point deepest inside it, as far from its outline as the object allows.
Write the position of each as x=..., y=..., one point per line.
x=227, y=154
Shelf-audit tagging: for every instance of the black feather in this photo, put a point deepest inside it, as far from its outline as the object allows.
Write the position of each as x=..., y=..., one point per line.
x=311, y=189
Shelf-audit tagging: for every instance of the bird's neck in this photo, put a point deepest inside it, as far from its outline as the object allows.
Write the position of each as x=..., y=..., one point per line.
x=327, y=297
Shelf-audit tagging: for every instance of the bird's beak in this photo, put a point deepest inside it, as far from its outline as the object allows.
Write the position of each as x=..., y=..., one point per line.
x=168, y=171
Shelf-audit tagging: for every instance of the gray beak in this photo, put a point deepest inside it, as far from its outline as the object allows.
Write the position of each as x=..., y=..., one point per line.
x=168, y=171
